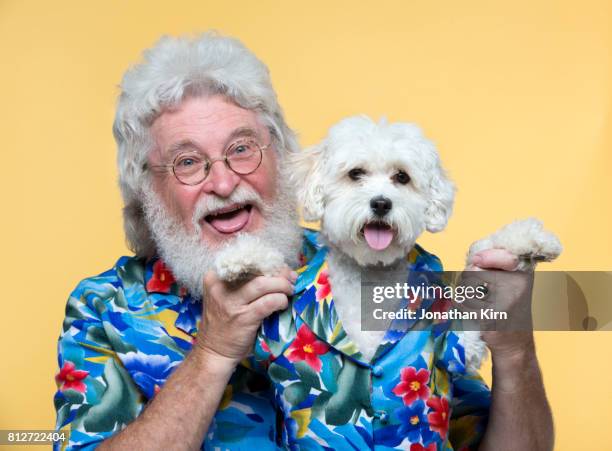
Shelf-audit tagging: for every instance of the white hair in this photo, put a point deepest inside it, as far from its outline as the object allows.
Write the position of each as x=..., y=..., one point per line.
x=173, y=69
x=190, y=258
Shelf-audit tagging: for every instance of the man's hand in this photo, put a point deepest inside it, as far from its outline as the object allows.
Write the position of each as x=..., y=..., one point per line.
x=180, y=414
x=232, y=314
x=520, y=416
x=509, y=292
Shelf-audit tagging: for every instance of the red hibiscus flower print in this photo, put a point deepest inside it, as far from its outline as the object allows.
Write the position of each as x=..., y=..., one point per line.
x=324, y=288
x=307, y=347
x=413, y=385
x=419, y=447
x=265, y=346
x=439, y=417
x=162, y=279
x=70, y=379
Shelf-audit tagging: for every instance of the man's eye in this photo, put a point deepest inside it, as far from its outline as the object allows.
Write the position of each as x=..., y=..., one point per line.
x=401, y=177
x=186, y=162
x=241, y=150
x=356, y=173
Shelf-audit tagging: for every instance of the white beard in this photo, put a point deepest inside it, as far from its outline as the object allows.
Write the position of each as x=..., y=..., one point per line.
x=190, y=259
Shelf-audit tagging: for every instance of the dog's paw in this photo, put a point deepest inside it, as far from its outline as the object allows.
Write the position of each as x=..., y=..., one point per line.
x=475, y=349
x=526, y=239
x=245, y=258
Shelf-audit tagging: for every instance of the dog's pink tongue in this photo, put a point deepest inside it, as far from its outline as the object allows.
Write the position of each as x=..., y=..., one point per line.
x=230, y=222
x=378, y=236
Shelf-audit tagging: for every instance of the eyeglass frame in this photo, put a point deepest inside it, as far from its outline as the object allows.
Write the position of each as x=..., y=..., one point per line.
x=212, y=161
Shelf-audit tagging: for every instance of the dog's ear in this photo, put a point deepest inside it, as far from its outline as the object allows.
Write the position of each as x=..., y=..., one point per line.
x=440, y=202
x=306, y=174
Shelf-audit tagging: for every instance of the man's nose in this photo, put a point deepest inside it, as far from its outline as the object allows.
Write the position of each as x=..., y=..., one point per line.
x=381, y=205
x=221, y=180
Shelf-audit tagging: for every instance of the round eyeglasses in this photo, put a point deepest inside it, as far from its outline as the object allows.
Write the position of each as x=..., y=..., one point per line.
x=191, y=168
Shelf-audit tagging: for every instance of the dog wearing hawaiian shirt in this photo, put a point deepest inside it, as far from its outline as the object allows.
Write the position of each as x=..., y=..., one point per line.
x=375, y=188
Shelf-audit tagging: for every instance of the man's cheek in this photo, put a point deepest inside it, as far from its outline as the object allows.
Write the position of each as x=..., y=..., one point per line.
x=182, y=209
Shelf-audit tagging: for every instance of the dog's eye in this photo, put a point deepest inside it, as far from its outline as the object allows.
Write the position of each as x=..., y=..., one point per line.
x=356, y=174
x=401, y=177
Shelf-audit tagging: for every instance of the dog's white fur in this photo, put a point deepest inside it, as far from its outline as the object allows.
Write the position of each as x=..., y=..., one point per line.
x=328, y=194
x=525, y=238
x=246, y=257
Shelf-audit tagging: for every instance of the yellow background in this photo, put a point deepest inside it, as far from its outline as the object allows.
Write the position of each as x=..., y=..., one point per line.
x=515, y=94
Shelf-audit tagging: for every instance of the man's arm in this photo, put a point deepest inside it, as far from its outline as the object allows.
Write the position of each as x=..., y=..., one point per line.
x=520, y=417
x=180, y=414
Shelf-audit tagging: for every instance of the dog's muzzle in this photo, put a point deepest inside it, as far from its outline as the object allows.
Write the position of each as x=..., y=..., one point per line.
x=381, y=205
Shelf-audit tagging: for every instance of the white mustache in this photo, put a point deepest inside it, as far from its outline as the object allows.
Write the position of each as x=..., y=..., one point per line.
x=211, y=203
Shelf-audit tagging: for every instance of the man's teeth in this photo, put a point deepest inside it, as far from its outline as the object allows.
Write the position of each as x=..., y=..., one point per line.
x=226, y=212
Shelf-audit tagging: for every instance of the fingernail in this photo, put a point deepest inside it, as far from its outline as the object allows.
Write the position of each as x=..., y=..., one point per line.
x=294, y=275
x=476, y=259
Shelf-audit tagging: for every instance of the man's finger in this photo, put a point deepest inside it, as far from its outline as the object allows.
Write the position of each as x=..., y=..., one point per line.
x=268, y=304
x=495, y=259
x=263, y=285
x=288, y=274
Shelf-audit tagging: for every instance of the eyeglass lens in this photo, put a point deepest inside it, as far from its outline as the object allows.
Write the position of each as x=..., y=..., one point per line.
x=242, y=157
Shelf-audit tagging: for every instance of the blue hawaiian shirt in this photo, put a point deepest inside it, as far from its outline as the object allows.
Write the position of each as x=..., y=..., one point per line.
x=415, y=393
x=124, y=333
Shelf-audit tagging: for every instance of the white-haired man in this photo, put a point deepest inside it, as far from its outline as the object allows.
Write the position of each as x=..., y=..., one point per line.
x=201, y=141
x=143, y=363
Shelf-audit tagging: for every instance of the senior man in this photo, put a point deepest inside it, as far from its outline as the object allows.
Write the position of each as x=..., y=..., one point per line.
x=144, y=364
x=201, y=141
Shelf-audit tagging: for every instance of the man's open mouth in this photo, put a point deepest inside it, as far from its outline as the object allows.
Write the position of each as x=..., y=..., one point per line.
x=378, y=235
x=230, y=219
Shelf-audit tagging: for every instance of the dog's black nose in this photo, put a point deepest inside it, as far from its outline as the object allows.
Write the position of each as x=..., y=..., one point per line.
x=380, y=205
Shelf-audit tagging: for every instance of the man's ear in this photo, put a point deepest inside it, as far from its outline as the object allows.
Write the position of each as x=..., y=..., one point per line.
x=440, y=202
x=306, y=174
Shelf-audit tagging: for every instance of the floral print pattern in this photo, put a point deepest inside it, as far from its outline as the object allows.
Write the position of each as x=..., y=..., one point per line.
x=71, y=379
x=414, y=394
x=306, y=347
x=124, y=333
x=413, y=385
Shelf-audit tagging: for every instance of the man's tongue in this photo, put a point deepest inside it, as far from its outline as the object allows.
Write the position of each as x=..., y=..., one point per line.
x=378, y=236
x=230, y=222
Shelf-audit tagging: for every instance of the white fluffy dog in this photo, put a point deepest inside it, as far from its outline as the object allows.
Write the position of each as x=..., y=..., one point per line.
x=375, y=188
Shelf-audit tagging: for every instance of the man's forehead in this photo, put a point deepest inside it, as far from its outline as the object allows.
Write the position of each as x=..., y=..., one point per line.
x=189, y=144
x=204, y=123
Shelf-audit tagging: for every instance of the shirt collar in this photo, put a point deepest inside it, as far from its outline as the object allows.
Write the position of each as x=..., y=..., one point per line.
x=314, y=304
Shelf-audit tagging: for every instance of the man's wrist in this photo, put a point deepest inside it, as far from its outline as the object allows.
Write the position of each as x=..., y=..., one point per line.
x=213, y=361
x=515, y=369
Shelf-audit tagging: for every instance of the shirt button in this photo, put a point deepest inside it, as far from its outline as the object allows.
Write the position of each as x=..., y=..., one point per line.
x=377, y=371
